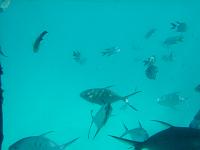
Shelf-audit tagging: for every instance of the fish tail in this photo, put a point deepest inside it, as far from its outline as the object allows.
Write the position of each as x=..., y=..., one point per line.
x=137, y=145
x=62, y=147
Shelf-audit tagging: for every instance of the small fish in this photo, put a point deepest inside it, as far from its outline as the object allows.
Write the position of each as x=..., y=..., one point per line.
x=151, y=72
x=105, y=95
x=100, y=118
x=150, y=33
x=168, y=57
x=38, y=143
x=173, y=40
x=197, y=88
x=195, y=123
x=110, y=51
x=2, y=53
x=173, y=138
x=137, y=134
x=4, y=5
x=78, y=58
x=37, y=42
x=171, y=100
x=179, y=26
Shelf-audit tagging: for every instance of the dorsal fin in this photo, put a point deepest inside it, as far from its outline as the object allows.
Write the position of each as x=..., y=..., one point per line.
x=62, y=147
x=136, y=144
x=126, y=130
x=44, y=134
x=164, y=123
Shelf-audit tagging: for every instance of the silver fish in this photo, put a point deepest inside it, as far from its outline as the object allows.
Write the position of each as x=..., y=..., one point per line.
x=137, y=134
x=171, y=100
x=105, y=95
x=110, y=51
x=38, y=143
x=100, y=118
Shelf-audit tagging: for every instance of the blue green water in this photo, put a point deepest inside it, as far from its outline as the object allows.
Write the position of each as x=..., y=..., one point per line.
x=41, y=90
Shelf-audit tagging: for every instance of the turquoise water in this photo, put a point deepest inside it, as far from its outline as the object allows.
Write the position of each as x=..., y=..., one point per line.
x=42, y=90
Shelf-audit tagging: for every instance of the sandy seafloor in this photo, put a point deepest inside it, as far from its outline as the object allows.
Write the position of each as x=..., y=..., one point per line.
x=41, y=90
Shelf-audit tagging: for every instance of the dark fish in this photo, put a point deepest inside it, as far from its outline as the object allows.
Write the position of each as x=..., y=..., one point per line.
x=150, y=33
x=105, y=95
x=173, y=138
x=100, y=118
x=173, y=40
x=179, y=26
x=137, y=134
x=195, y=123
x=151, y=72
x=37, y=42
x=38, y=143
x=150, y=61
x=78, y=57
x=197, y=88
x=2, y=53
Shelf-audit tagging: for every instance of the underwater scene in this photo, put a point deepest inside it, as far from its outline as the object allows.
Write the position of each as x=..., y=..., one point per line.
x=100, y=74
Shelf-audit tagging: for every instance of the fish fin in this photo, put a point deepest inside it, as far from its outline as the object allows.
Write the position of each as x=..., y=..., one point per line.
x=131, y=106
x=62, y=147
x=140, y=125
x=44, y=134
x=136, y=144
x=164, y=123
x=91, y=112
x=173, y=25
x=96, y=132
x=126, y=130
x=127, y=96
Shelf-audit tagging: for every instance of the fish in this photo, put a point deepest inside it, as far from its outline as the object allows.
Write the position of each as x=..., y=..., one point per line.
x=195, y=123
x=150, y=33
x=151, y=72
x=173, y=40
x=37, y=42
x=171, y=100
x=179, y=26
x=197, y=88
x=2, y=53
x=40, y=142
x=172, y=138
x=137, y=134
x=4, y=5
x=100, y=118
x=78, y=57
x=110, y=51
x=104, y=95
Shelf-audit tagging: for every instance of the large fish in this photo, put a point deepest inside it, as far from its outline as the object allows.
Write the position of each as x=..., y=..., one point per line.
x=100, y=118
x=38, y=143
x=105, y=95
x=173, y=138
x=150, y=33
x=173, y=40
x=137, y=134
x=179, y=26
